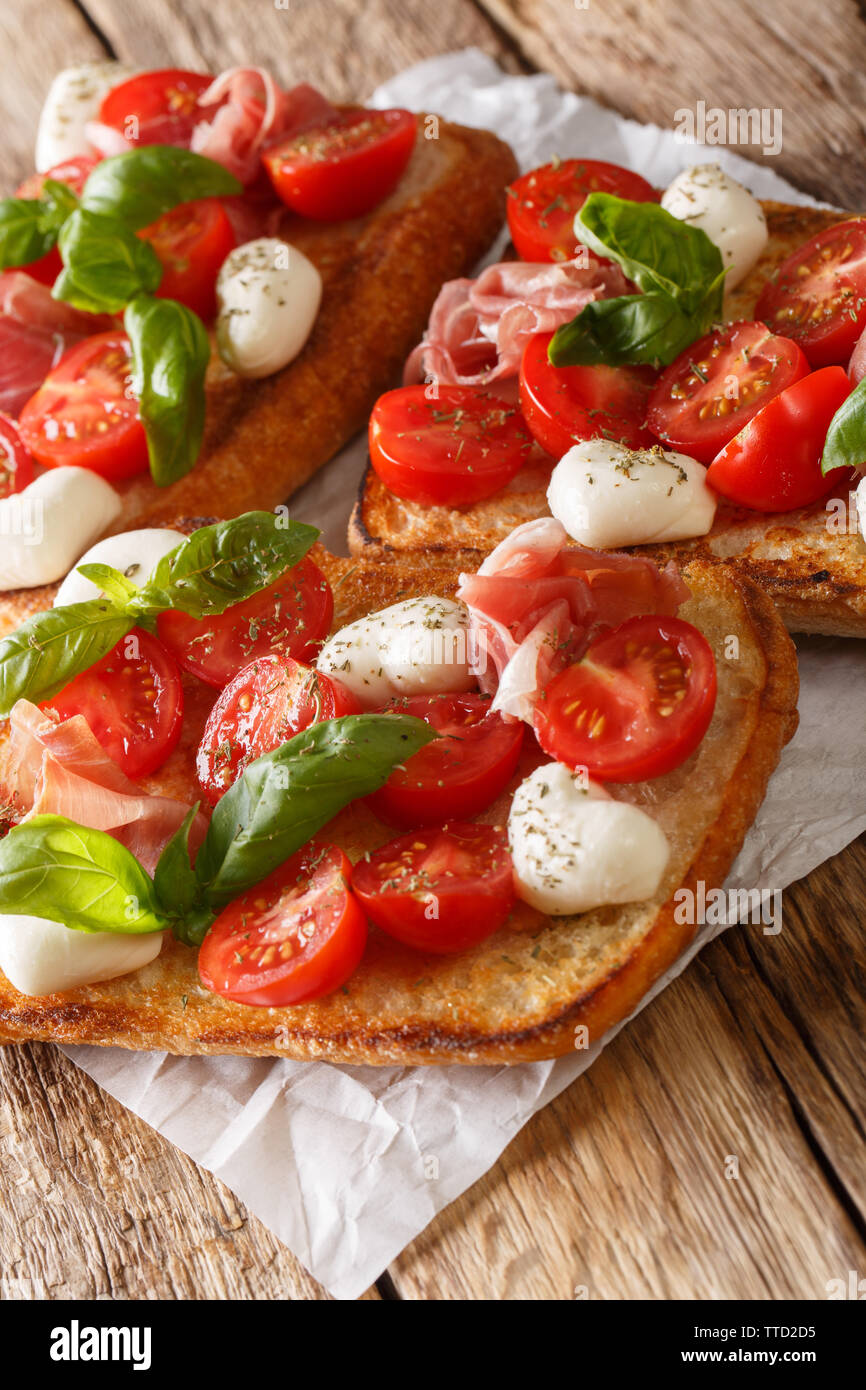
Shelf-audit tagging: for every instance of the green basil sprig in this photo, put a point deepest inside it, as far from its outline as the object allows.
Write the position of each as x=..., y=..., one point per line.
x=677, y=267
x=170, y=353
x=105, y=264
x=29, y=226
x=845, y=445
x=52, y=868
x=205, y=574
x=141, y=185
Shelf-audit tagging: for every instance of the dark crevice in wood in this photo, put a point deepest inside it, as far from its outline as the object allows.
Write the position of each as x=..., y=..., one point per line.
x=507, y=39
x=388, y=1289
x=95, y=29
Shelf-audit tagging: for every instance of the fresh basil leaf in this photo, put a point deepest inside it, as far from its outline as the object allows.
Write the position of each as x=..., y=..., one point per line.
x=633, y=328
x=105, y=264
x=113, y=584
x=223, y=564
x=143, y=184
x=177, y=887
x=58, y=202
x=285, y=797
x=50, y=867
x=29, y=226
x=170, y=353
x=845, y=445
x=46, y=651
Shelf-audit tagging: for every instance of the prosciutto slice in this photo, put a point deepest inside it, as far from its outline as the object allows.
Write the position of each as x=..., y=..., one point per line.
x=61, y=769
x=479, y=328
x=538, y=600
x=35, y=331
x=253, y=112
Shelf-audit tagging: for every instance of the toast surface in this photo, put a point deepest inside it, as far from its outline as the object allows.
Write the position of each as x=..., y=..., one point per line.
x=519, y=995
x=811, y=564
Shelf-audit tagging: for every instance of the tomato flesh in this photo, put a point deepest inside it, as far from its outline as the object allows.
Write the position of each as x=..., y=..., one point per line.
x=191, y=241
x=16, y=462
x=454, y=449
x=267, y=703
x=636, y=706
x=85, y=415
x=288, y=618
x=72, y=172
x=439, y=890
x=459, y=774
x=157, y=108
x=133, y=701
x=344, y=168
x=774, y=463
x=297, y=935
x=542, y=204
x=564, y=405
x=818, y=296
x=718, y=384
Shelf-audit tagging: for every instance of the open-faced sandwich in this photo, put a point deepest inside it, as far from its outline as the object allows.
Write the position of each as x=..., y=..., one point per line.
x=261, y=800
x=205, y=286
x=679, y=372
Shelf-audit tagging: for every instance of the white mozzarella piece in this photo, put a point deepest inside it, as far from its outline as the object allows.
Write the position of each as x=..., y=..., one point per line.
x=860, y=503
x=418, y=647
x=39, y=957
x=45, y=528
x=706, y=197
x=606, y=495
x=268, y=295
x=74, y=98
x=575, y=848
x=135, y=553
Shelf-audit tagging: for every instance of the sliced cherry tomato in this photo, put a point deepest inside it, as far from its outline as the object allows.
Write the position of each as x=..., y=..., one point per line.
x=16, y=463
x=192, y=241
x=297, y=935
x=718, y=384
x=85, y=414
x=267, y=703
x=563, y=405
x=157, y=108
x=460, y=773
x=454, y=449
x=345, y=168
x=636, y=706
x=73, y=172
x=133, y=701
x=288, y=618
x=542, y=203
x=818, y=296
x=774, y=463
x=439, y=890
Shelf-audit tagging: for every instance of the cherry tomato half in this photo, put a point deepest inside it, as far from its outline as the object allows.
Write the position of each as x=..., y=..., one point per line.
x=440, y=890
x=563, y=405
x=72, y=172
x=267, y=703
x=133, y=701
x=818, y=296
x=636, y=706
x=16, y=463
x=452, y=450
x=157, y=108
x=288, y=618
x=774, y=463
x=84, y=413
x=297, y=935
x=192, y=241
x=542, y=203
x=718, y=384
x=345, y=168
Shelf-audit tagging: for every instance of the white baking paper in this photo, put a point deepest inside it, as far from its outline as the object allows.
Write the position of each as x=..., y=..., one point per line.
x=347, y=1165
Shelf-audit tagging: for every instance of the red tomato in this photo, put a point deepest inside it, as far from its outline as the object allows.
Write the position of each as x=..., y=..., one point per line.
x=542, y=203
x=563, y=405
x=85, y=414
x=73, y=172
x=133, y=701
x=460, y=773
x=345, y=168
x=818, y=296
x=857, y=365
x=453, y=450
x=774, y=463
x=297, y=935
x=636, y=706
x=439, y=890
x=288, y=618
x=157, y=108
x=718, y=384
x=192, y=241
x=267, y=703
x=16, y=464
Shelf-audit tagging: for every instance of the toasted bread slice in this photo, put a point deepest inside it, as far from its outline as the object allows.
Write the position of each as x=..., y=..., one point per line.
x=811, y=563
x=521, y=994
x=381, y=274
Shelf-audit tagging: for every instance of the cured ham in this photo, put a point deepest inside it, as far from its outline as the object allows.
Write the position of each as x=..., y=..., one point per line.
x=537, y=601
x=479, y=328
x=252, y=113
x=60, y=769
x=35, y=331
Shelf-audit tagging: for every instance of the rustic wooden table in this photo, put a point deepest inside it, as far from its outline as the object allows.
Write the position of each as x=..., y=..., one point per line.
x=620, y=1185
